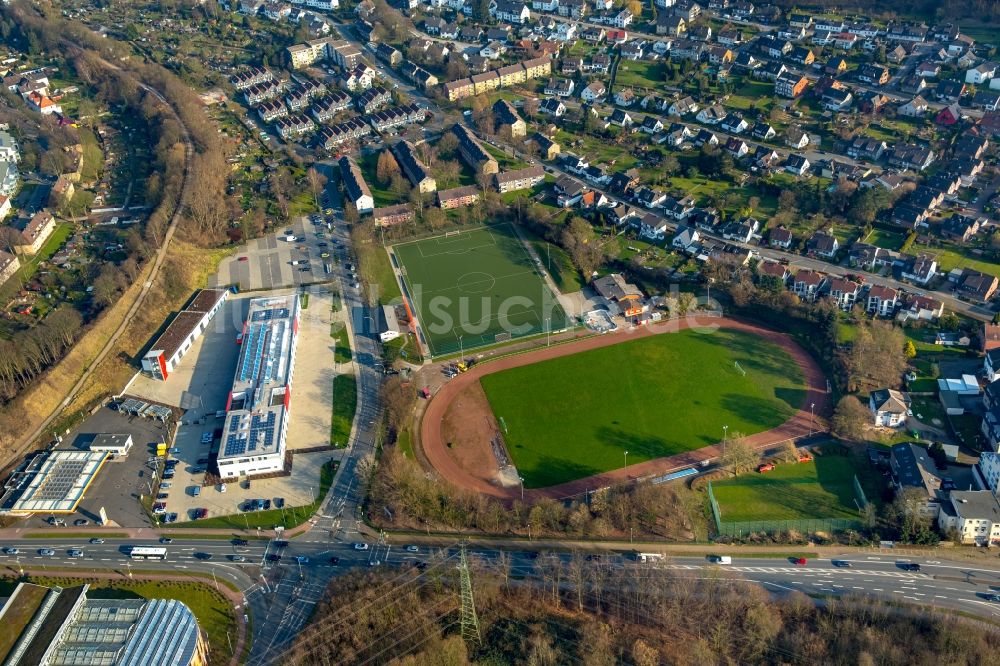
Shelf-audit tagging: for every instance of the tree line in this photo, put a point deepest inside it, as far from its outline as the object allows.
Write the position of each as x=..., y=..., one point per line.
x=576, y=610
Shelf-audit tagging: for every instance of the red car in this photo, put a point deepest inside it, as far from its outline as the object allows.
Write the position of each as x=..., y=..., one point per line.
x=799, y=561
x=765, y=467
x=242, y=259
x=805, y=457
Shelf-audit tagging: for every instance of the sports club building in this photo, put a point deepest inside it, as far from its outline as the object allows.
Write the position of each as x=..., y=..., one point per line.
x=257, y=413
x=168, y=350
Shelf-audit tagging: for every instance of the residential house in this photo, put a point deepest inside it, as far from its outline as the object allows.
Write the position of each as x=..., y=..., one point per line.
x=921, y=308
x=912, y=467
x=972, y=515
x=796, y=138
x=357, y=190
x=392, y=215
x=920, y=269
x=519, y=179
x=511, y=11
x=36, y=232
x=593, y=92
x=552, y=106
x=915, y=108
x=790, y=85
x=458, y=197
x=797, y=165
x=981, y=73
x=875, y=75
x=977, y=286
x=882, y=301
x=844, y=292
x=889, y=408
x=806, y=284
x=507, y=119
x=780, y=237
x=624, y=97
x=415, y=170
x=823, y=244
x=560, y=87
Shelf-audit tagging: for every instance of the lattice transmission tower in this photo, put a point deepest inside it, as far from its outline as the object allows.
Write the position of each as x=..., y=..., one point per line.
x=470, y=621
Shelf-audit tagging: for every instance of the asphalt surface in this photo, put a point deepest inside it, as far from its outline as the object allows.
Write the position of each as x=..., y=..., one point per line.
x=281, y=595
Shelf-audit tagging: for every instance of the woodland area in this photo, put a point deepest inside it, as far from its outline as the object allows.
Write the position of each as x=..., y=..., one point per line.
x=585, y=613
x=116, y=82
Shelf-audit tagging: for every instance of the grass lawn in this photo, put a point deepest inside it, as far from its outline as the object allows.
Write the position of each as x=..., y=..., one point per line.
x=575, y=416
x=342, y=347
x=383, y=196
x=471, y=287
x=345, y=403
x=949, y=258
x=822, y=488
x=885, y=239
x=375, y=268
x=640, y=74
x=214, y=613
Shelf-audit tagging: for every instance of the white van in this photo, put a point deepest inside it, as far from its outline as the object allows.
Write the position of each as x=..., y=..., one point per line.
x=720, y=559
x=222, y=487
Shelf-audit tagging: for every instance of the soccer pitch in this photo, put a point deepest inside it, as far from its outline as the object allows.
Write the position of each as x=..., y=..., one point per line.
x=476, y=288
x=822, y=488
x=575, y=416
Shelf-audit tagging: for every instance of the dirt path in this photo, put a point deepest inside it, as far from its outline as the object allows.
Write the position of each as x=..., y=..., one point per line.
x=434, y=442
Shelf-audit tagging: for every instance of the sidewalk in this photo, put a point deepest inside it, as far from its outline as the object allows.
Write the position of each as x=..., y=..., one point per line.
x=235, y=598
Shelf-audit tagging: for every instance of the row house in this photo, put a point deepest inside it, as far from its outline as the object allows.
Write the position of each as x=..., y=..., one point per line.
x=882, y=301
x=480, y=83
x=413, y=168
x=396, y=116
x=294, y=126
x=458, y=197
x=519, y=179
x=332, y=136
x=844, y=292
x=271, y=111
x=359, y=78
x=391, y=215
x=911, y=156
x=251, y=76
x=297, y=100
x=261, y=92
x=328, y=106
x=371, y=99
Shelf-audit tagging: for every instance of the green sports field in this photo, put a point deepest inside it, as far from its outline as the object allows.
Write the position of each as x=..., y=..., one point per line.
x=793, y=491
x=575, y=416
x=472, y=288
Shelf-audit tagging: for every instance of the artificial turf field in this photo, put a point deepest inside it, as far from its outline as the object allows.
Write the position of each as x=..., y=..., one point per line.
x=574, y=416
x=476, y=284
x=822, y=488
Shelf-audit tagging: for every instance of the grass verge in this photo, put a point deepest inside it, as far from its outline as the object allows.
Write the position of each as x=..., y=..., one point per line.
x=345, y=402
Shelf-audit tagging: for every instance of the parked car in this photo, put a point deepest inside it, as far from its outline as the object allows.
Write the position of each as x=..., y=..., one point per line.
x=765, y=467
x=360, y=546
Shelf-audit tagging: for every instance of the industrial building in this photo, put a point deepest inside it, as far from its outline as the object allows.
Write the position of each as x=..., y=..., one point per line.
x=61, y=627
x=257, y=413
x=168, y=350
x=51, y=482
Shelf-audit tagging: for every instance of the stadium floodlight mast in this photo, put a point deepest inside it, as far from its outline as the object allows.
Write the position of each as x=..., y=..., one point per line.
x=812, y=417
x=521, y=479
x=626, y=459
x=725, y=436
x=461, y=350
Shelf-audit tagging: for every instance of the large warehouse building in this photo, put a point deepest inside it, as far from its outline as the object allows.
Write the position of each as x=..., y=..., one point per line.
x=168, y=350
x=62, y=627
x=253, y=440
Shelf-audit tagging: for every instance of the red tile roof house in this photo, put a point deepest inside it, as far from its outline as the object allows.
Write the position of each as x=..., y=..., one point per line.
x=882, y=301
x=844, y=292
x=807, y=283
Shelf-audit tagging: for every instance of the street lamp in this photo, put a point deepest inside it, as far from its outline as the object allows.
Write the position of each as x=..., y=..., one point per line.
x=548, y=330
x=461, y=350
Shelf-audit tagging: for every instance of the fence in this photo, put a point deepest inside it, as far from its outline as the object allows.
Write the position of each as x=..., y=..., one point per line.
x=804, y=525
x=859, y=493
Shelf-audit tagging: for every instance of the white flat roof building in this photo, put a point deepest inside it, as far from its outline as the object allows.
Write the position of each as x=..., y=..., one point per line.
x=257, y=413
x=117, y=445
x=52, y=482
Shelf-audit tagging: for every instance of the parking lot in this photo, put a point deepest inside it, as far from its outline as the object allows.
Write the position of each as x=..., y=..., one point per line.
x=121, y=481
x=200, y=386
x=266, y=263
